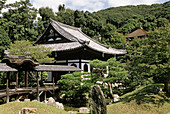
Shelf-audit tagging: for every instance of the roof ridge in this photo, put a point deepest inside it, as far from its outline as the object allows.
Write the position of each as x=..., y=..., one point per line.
x=79, y=29
x=94, y=40
x=72, y=27
x=59, y=24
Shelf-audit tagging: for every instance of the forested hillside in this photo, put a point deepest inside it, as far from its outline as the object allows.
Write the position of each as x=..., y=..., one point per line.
x=107, y=26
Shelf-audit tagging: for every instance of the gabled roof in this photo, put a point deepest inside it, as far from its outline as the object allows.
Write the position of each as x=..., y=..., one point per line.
x=77, y=40
x=138, y=32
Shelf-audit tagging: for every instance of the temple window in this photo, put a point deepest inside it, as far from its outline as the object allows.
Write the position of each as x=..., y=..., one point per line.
x=51, y=40
x=58, y=38
x=74, y=65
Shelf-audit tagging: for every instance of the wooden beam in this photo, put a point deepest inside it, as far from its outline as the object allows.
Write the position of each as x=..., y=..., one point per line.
x=38, y=98
x=50, y=92
x=26, y=78
x=41, y=93
x=7, y=87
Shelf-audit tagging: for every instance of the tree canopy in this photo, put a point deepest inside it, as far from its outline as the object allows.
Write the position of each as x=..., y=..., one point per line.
x=24, y=47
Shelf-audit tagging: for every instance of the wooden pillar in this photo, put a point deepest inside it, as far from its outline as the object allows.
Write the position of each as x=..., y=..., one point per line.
x=80, y=63
x=38, y=98
x=41, y=76
x=26, y=78
x=19, y=75
x=45, y=94
x=17, y=80
x=7, y=87
x=53, y=83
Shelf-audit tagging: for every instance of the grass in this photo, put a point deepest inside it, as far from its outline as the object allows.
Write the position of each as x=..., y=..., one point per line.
x=133, y=108
x=14, y=107
x=141, y=101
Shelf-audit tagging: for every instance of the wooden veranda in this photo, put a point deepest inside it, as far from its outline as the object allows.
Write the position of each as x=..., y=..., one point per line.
x=24, y=64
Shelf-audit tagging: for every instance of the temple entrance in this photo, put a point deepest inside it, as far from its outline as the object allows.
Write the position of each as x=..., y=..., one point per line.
x=85, y=68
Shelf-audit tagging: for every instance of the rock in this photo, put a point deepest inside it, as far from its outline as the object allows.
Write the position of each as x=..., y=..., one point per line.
x=17, y=100
x=83, y=110
x=29, y=110
x=72, y=111
x=115, y=97
x=59, y=105
x=115, y=100
x=51, y=102
x=26, y=99
x=45, y=101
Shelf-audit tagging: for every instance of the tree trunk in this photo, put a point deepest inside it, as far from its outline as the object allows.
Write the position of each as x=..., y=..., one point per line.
x=110, y=90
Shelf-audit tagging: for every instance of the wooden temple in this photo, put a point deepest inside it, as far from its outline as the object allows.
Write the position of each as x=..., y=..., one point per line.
x=139, y=33
x=70, y=46
x=14, y=65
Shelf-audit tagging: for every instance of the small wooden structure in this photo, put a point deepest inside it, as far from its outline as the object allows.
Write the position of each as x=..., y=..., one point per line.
x=26, y=64
x=140, y=33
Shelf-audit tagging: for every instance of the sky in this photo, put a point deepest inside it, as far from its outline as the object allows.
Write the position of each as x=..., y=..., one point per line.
x=88, y=5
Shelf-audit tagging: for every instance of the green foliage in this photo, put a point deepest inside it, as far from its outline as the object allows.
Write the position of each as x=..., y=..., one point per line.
x=119, y=15
x=148, y=58
x=4, y=41
x=19, y=21
x=39, y=53
x=142, y=100
x=46, y=13
x=2, y=4
x=74, y=88
x=117, y=72
x=144, y=94
x=117, y=40
x=72, y=85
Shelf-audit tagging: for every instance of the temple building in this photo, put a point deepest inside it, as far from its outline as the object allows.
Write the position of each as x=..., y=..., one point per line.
x=70, y=46
x=139, y=33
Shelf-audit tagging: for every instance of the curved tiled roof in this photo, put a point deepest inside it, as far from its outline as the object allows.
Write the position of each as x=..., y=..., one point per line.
x=63, y=46
x=79, y=39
